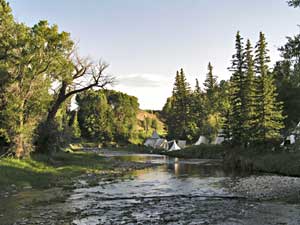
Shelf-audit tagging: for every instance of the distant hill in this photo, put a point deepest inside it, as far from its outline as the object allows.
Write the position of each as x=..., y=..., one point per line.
x=147, y=122
x=150, y=120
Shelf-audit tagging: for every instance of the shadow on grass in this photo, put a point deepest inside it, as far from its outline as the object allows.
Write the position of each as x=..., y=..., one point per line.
x=42, y=171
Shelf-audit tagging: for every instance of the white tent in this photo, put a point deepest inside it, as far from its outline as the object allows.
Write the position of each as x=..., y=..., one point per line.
x=161, y=144
x=174, y=147
x=202, y=140
x=155, y=135
x=150, y=142
x=219, y=140
x=182, y=143
x=291, y=139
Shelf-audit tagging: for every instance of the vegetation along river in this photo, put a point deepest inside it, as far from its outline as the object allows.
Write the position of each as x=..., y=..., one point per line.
x=176, y=191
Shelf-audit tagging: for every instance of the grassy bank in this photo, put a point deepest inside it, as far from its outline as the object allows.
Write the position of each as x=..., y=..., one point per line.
x=264, y=160
x=40, y=171
x=200, y=152
x=41, y=180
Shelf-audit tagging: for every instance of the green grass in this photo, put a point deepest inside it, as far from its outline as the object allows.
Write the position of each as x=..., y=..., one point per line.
x=200, y=152
x=264, y=160
x=40, y=171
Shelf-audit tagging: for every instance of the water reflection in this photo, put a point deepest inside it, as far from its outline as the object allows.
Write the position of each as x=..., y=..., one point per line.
x=167, y=183
x=199, y=170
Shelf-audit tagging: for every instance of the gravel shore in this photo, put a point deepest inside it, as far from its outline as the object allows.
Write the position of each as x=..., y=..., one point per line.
x=267, y=187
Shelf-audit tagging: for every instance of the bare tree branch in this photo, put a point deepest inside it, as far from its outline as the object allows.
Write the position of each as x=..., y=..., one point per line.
x=86, y=75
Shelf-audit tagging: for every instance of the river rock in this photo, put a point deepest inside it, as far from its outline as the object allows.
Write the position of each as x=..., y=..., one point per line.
x=267, y=187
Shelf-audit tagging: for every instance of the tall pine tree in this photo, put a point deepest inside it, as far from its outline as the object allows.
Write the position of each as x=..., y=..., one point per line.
x=198, y=109
x=237, y=98
x=269, y=110
x=213, y=118
x=250, y=114
x=210, y=85
x=179, y=106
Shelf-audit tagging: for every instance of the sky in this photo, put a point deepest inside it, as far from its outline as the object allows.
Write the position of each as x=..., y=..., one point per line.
x=147, y=41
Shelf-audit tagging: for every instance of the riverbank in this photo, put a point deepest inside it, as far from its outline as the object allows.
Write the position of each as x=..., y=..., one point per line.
x=60, y=170
x=279, y=161
x=40, y=180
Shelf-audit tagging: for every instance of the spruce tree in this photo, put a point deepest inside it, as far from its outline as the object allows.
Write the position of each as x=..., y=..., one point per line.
x=210, y=82
x=294, y=3
x=250, y=114
x=212, y=112
x=269, y=110
x=210, y=85
x=198, y=109
x=197, y=87
x=237, y=98
x=184, y=103
x=179, y=120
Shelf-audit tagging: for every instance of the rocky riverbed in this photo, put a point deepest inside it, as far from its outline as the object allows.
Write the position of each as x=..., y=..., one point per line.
x=267, y=187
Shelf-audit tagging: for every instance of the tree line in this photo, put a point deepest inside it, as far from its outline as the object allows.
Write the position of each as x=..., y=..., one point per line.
x=258, y=104
x=41, y=71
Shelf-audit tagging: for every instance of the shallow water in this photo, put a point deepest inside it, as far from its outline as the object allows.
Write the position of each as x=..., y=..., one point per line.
x=177, y=191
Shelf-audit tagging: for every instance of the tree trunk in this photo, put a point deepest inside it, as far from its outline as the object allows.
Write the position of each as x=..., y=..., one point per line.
x=20, y=152
x=58, y=102
x=19, y=139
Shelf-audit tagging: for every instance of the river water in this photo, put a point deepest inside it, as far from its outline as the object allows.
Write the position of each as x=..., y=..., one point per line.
x=176, y=191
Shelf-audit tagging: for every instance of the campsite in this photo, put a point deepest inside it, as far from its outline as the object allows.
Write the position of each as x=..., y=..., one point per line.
x=149, y=112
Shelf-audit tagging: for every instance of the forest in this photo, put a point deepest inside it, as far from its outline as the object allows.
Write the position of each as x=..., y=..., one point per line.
x=42, y=74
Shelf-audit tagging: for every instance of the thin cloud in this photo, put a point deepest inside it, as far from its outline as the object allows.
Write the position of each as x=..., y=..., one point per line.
x=142, y=80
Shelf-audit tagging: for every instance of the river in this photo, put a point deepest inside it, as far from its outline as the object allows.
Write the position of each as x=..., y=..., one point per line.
x=177, y=191
x=174, y=191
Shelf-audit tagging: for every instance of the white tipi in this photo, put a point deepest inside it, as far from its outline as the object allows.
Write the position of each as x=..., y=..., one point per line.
x=174, y=147
x=155, y=135
x=202, y=140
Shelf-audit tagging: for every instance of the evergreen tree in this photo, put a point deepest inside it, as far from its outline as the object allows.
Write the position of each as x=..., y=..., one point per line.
x=198, y=109
x=210, y=84
x=287, y=77
x=237, y=98
x=225, y=108
x=250, y=113
x=294, y=3
x=269, y=110
x=197, y=87
x=179, y=120
x=213, y=120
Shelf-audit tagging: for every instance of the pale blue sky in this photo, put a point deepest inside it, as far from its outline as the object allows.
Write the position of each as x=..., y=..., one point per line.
x=146, y=41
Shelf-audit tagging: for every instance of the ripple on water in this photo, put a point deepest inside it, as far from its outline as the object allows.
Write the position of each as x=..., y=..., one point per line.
x=175, y=180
